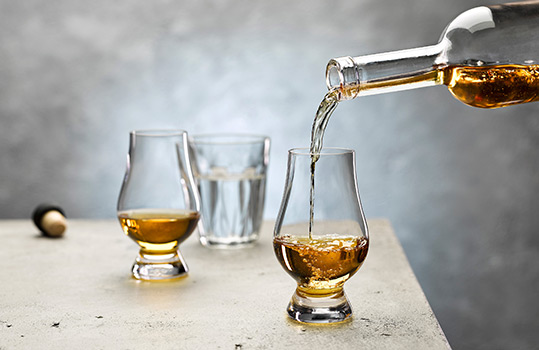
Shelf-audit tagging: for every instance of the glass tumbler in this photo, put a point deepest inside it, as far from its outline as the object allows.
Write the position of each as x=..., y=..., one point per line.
x=158, y=206
x=323, y=247
x=230, y=170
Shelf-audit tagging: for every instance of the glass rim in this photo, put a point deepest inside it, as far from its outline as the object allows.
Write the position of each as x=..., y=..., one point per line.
x=325, y=151
x=158, y=132
x=227, y=138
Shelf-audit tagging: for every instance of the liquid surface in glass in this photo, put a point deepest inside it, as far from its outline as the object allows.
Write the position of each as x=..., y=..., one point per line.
x=158, y=230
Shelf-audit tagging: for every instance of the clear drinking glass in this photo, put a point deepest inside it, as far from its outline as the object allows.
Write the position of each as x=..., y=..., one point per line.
x=230, y=170
x=323, y=257
x=158, y=207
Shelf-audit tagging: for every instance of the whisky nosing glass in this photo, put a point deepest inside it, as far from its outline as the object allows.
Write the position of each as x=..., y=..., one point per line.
x=323, y=257
x=158, y=206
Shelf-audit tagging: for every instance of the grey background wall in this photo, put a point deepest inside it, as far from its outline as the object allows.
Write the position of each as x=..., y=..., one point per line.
x=458, y=184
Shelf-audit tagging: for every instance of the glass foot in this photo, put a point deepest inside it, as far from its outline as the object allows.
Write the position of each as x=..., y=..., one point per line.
x=152, y=267
x=319, y=308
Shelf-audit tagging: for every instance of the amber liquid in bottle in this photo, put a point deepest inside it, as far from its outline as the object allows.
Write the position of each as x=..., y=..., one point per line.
x=322, y=264
x=158, y=231
x=493, y=86
x=490, y=86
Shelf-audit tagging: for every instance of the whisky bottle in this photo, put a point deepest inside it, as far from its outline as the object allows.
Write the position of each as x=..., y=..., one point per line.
x=488, y=57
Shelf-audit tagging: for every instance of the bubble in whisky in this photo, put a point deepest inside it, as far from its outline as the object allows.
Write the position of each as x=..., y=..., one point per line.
x=323, y=263
x=493, y=86
x=158, y=231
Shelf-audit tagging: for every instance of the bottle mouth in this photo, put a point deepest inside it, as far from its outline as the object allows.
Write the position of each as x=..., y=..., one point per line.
x=333, y=76
x=343, y=74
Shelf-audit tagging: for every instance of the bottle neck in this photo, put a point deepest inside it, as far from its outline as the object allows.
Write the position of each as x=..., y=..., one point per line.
x=385, y=72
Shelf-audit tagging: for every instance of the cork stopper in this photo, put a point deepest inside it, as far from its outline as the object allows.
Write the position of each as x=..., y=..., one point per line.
x=50, y=220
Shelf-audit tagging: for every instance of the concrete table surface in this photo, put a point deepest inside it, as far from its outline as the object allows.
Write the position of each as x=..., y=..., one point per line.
x=77, y=292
